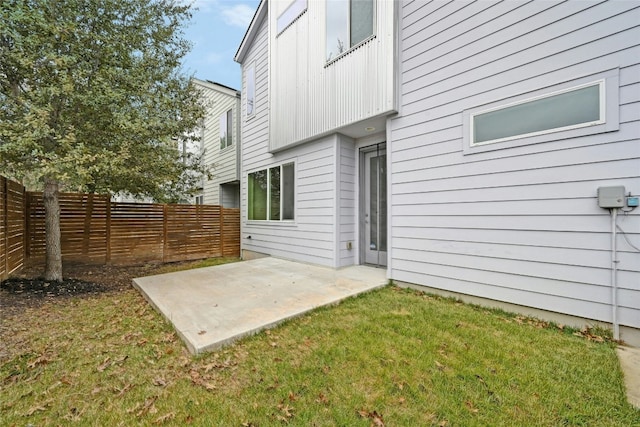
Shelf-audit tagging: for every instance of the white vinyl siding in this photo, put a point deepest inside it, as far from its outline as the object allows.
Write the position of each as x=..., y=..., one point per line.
x=220, y=102
x=312, y=98
x=519, y=223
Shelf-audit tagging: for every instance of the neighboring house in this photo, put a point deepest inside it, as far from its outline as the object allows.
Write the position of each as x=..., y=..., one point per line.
x=459, y=144
x=220, y=140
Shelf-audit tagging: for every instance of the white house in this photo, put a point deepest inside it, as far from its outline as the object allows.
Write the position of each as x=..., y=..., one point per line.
x=461, y=145
x=220, y=135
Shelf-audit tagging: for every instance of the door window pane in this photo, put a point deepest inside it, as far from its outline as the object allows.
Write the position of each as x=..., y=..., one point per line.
x=373, y=204
x=555, y=112
x=382, y=195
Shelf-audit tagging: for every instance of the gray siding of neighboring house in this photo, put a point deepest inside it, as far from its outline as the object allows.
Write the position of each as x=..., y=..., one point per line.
x=518, y=224
x=224, y=162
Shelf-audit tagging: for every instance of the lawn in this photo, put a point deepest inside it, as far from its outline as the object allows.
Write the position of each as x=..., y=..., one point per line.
x=391, y=357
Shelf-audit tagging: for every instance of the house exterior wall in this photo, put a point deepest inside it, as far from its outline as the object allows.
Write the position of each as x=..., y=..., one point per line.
x=358, y=85
x=520, y=222
x=224, y=162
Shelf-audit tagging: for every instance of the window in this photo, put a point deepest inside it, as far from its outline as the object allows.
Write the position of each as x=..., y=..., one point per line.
x=568, y=109
x=349, y=22
x=251, y=89
x=226, y=129
x=291, y=13
x=271, y=194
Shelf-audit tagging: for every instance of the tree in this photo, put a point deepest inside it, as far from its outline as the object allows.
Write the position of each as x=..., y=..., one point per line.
x=91, y=99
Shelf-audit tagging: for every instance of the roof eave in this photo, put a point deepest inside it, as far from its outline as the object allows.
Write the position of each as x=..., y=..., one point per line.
x=250, y=35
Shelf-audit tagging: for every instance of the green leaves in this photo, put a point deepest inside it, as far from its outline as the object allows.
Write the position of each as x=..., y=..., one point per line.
x=91, y=95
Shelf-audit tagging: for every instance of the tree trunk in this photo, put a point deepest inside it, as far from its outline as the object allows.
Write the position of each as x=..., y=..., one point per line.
x=53, y=269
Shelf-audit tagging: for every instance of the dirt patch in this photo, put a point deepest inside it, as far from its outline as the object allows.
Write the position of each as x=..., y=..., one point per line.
x=28, y=289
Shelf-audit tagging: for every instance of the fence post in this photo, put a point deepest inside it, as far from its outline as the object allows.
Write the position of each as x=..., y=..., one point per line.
x=165, y=242
x=5, y=225
x=27, y=225
x=108, y=230
x=221, y=231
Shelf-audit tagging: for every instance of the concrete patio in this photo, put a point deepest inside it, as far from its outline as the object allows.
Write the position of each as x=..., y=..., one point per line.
x=214, y=306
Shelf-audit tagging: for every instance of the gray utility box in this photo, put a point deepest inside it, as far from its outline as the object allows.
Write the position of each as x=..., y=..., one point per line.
x=611, y=197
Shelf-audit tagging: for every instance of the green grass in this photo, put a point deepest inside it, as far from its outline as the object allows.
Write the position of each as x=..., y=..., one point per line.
x=391, y=357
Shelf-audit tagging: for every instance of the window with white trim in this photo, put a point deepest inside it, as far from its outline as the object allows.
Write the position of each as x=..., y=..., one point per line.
x=584, y=106
x=567, y=109
x=250, y=94
x=349, y=22
x=291, y=13
x=226, y=129
x=271, y=193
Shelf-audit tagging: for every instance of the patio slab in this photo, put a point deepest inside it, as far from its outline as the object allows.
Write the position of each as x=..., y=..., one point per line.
x=214, y=306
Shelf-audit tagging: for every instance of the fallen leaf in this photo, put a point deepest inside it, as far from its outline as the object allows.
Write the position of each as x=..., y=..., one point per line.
x=202, y=332
x=471, y=407
x=160, y=382
x=322, y=399
x=165, y=418
x=104, y=365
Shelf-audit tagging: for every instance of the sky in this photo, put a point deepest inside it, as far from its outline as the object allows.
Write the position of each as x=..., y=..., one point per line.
x=216, y=30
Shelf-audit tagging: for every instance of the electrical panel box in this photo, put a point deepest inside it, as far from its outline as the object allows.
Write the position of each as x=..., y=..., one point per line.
x=611, y=197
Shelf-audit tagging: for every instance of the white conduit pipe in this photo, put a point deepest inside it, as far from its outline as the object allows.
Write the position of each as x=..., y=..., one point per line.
x=614, y=275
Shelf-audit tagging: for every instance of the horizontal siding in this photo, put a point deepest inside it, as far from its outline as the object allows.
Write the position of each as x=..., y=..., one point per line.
x=223, y=163
x=346, y=214
x=518, y=224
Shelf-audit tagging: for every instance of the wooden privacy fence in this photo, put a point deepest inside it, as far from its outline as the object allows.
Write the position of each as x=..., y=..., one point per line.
x=12, y=227
x=96, y=230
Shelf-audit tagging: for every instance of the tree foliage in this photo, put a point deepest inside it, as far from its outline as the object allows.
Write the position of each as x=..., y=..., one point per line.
x=92, y=97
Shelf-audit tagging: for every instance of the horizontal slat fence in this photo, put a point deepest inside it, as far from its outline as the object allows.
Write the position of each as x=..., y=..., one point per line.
x=83, y=227
x=95, y=230
x=12, y=225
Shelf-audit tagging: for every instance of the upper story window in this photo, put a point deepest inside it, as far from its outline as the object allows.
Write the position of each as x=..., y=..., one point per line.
x=250, y=93
x=568, y=109
x=226, y=129
x=349, y=22
x=291, y=13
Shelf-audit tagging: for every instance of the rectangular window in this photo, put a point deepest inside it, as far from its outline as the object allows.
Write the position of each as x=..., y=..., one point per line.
x=291, y=13
x=271, y=194
x=349, y=22
x=572, y=108
x=251, y=89
x=226, y=129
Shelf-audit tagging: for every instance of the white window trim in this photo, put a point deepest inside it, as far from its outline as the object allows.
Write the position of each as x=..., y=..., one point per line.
x=285, y=222
x=608, y=121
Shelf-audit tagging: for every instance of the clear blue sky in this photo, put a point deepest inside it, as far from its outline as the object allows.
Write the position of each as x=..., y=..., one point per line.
x=216, y=30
